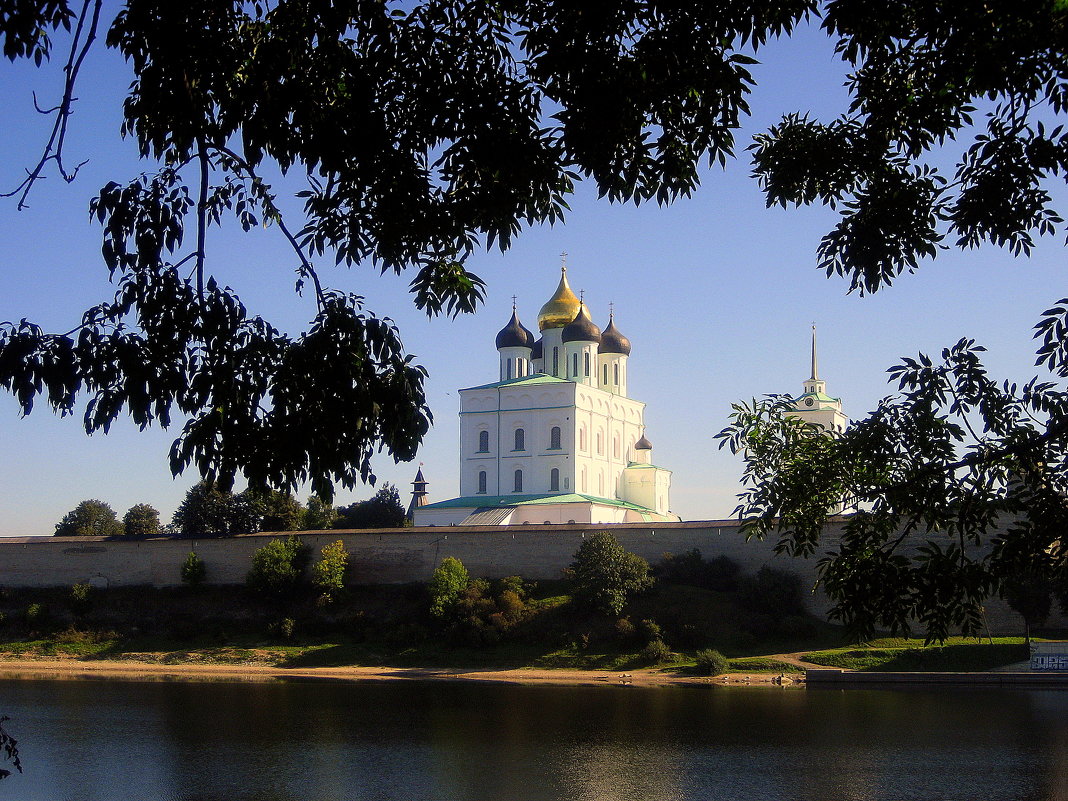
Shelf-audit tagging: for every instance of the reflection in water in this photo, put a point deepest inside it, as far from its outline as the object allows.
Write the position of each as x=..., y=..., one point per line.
x=93, y=740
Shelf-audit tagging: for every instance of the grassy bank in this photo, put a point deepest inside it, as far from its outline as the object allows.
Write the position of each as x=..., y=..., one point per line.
x=897, y=654
x=540, y=626
x=389, y=626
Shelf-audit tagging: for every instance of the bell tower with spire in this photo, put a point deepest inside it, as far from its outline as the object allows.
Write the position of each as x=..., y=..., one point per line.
x=814, y=405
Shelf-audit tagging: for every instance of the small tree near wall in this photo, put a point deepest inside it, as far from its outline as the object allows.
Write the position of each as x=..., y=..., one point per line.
x=605, y=574
x=278, y=567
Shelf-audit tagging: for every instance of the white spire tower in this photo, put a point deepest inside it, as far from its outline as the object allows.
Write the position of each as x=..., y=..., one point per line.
x=815, y=405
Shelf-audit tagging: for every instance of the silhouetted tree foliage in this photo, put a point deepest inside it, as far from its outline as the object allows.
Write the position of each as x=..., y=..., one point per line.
x=1029, y=594
x=280, y=511
x=382, y=510
x=91, y=518
x=141, y=521
x=208, y=511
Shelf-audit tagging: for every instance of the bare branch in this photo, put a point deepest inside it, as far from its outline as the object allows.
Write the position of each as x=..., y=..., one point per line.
x=202, y=215
x=53, y=150
x=307, y=269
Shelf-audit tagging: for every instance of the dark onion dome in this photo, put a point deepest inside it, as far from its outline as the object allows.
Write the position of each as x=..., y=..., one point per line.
x=612, y=341
x=643, y=444
x=514, y=335
x=536, y=351
x=581, y=329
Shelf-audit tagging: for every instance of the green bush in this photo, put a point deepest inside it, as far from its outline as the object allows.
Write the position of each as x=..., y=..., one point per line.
x=650, y=631
x=514, y=584
x=193, y=570
x=447, y=582
x=278, y=567
x=656, y=653
x=35, y=613
x=328, y=574
x=775, y=593
x=712, y=663
x=80, y=598
x=284, y=628
x=719, y=573
x=604, y=574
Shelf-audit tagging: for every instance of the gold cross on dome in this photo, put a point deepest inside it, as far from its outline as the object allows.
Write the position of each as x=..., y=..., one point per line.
x=563, y=260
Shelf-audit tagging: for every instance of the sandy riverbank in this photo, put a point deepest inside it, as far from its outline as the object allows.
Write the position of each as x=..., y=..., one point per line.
x=144, y=671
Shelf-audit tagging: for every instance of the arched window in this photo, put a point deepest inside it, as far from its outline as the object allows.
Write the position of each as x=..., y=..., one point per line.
x=615, y=373
x=587, y=363
x=600, y=484
x=518, y=481
x=600, y=443
x=556, y=362
x=574, y=365
x=582, y=438
x=605, y=372
x=483, y=442
x=519, y=440
x=508, y=372
x=554, y=438
x=554, y=480
x=615, y=447
x=481, y=482
x=583, y=485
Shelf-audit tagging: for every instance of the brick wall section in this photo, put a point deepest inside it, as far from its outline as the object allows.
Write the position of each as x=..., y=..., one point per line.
x=393, y=556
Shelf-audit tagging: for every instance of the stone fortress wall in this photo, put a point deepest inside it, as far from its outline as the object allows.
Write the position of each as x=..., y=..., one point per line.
x=396, y=556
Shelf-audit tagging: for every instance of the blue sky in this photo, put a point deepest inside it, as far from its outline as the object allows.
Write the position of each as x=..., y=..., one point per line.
x=716, y=292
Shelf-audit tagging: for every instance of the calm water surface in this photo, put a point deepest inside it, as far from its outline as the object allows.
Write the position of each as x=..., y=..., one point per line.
x=95, y=739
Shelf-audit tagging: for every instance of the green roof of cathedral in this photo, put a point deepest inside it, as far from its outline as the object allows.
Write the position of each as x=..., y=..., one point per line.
x=527, y=380
x=476, y=501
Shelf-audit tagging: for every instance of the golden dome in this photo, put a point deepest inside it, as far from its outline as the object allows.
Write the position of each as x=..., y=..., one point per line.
x=561, y=308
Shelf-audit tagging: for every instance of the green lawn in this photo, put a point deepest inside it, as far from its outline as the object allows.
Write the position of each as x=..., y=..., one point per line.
x=899, y=654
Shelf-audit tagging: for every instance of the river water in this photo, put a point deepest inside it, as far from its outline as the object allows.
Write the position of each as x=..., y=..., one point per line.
x=83, y=740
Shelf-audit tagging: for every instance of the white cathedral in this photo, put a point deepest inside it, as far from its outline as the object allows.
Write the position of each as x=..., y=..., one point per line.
x=555, y=439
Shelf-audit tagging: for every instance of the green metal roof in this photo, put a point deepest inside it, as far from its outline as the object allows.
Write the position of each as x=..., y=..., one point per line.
x=646, y=466
x=525, y=381
x=475, y=501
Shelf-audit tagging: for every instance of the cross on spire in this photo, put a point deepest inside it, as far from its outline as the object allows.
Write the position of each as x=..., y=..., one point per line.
x=513, y=302
x=563, y=261
x=611, y=310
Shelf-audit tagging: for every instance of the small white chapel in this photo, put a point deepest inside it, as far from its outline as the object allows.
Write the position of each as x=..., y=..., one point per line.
x=556, y=438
